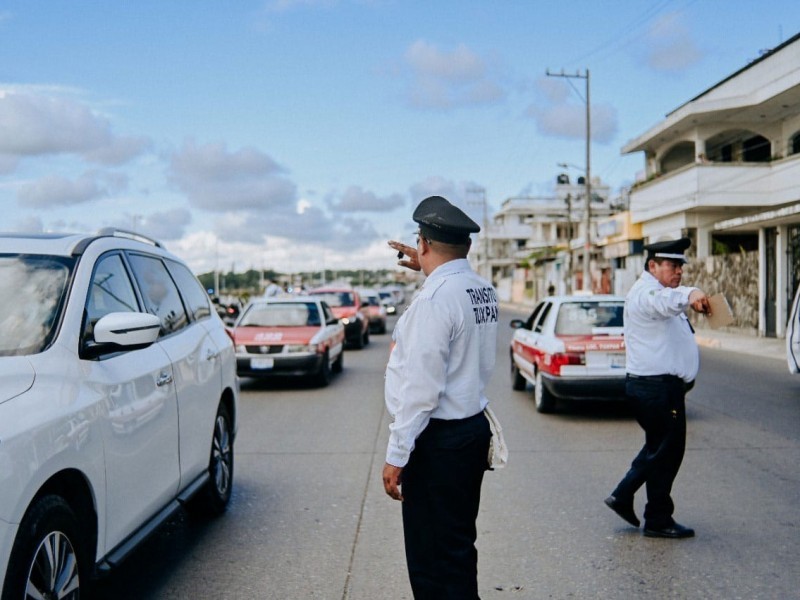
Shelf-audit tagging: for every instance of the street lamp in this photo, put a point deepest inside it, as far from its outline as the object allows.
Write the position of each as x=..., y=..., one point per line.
x=587, y=243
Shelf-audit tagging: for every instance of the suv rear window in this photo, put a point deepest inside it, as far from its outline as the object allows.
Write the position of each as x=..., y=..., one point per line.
x=584, y=318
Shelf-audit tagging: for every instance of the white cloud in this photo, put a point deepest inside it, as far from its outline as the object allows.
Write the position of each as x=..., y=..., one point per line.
x=669, y=45
x=37, y=124
x=356, y=199
x=559, y=113
x=167, y=225
x=55, y=190
x=218, y=180
x=444, y=80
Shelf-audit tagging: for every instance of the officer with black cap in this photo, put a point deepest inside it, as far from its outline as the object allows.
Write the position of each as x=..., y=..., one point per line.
x=662, y=363
x=443, y=353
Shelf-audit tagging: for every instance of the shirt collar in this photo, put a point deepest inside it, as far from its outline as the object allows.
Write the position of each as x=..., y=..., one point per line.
x=648, y=276
x=449, y=268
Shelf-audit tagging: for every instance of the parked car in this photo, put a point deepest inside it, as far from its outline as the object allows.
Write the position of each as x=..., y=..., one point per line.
x=375, y=310
x=118, y=404
x=289, y=335
x=347, y=306
x=793, y=336
x=571, y=347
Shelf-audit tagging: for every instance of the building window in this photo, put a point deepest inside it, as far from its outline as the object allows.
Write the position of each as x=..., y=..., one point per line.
x=794, y=144
x=756, y=149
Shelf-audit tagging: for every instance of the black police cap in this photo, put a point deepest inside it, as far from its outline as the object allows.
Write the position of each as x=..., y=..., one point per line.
x=671, y=249
x=441, y=221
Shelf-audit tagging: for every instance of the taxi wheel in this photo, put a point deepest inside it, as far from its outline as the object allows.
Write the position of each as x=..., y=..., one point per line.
x=517, y=380
x=545, y=402
x=338, y=364
x=323, y=376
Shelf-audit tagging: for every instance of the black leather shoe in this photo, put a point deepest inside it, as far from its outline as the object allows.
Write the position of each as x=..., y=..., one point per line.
x=674, y=531
x=623, y=509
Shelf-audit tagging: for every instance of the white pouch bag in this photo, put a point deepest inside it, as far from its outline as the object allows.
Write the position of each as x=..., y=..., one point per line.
x=498, y=452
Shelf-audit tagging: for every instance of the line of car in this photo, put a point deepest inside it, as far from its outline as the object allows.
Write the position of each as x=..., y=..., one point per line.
x=119, y=395
x=306, y=335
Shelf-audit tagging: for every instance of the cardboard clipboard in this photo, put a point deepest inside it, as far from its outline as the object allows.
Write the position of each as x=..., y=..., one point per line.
x=721, y=313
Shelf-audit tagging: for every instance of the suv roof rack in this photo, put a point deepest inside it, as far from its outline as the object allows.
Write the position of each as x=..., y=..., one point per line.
x=131, y=235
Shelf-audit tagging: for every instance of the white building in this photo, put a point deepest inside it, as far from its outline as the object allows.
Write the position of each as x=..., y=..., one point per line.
x=724, y=169
x=533, y=243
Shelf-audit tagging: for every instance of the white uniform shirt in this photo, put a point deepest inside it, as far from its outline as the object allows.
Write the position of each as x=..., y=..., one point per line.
x=658, y=337
x=444, y=353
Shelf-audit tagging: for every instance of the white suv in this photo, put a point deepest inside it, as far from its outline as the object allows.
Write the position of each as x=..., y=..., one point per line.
x=118, y=404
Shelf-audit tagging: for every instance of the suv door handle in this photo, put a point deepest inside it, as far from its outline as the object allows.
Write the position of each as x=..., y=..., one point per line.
x=164, y=379
x=211, y=354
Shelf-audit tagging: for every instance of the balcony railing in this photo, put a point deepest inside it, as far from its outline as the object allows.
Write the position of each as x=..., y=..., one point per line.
x=716, y=185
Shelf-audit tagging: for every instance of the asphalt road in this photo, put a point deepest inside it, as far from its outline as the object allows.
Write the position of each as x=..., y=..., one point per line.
x=309, y=518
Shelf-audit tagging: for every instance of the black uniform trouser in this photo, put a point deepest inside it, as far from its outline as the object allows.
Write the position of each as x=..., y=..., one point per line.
x=441, y=487
x=659, y=406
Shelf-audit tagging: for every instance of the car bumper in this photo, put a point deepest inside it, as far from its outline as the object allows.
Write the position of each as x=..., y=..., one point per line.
x=586, y=388
x=281, y=365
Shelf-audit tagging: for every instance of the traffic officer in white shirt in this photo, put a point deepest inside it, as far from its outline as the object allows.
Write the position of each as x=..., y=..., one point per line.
x=662, y=363
x=444, y=349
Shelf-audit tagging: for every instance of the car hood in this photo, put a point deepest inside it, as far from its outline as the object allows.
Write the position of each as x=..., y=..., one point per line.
x=274, y=335
x=16, y=376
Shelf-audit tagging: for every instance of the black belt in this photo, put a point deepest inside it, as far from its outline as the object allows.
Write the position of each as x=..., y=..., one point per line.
x=453, y=422
x=661, y=379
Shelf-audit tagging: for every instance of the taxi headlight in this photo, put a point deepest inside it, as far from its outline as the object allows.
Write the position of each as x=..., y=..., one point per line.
x=241, y=349
x=345, y=321
x=297, y=348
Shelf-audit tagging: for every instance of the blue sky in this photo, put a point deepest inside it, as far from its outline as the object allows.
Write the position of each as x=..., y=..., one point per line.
x=300, y=134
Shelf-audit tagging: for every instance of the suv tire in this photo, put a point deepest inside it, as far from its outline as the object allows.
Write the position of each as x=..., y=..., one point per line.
x=48, y=553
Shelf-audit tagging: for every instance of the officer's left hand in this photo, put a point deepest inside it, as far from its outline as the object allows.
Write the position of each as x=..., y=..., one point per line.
x=392, y=478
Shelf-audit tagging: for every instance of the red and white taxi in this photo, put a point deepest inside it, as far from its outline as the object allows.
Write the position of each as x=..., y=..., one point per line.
x=289, y=335
x=571, y=347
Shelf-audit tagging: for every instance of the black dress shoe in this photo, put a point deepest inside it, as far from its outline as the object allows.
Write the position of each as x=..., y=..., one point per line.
x=623, y=509
x=673, y=531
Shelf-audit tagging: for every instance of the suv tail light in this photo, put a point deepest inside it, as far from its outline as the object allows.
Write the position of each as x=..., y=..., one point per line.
x=558, y=360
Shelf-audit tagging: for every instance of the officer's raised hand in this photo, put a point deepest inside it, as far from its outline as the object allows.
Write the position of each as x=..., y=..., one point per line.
x=412, y=261
x=699, y=302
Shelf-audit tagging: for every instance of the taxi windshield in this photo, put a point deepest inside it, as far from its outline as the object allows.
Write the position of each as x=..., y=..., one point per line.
x=336, y=299
x=584, y=318
x=283, y=314
x=32, y=293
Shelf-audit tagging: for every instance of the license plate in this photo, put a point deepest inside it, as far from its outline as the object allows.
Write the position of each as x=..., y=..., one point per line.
x=605, y=360
x=262, y=363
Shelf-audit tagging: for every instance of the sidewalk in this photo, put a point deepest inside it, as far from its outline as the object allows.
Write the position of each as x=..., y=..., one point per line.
x=743, y=343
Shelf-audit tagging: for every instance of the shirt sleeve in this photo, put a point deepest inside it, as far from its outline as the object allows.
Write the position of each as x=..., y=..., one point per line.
x=664, y=303
x=425, y=347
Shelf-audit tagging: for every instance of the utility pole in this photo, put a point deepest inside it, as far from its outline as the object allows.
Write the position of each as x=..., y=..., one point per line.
x=587, y=246
x=481, y=193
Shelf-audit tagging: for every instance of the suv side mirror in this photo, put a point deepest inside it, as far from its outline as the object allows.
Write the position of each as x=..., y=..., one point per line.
x=122, y=331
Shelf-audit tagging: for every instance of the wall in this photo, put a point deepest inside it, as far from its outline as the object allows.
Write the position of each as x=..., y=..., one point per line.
x=736, y=276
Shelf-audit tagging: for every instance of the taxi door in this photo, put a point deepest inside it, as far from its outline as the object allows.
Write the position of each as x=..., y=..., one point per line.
x=793, y=336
